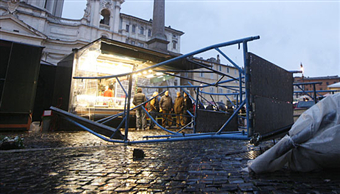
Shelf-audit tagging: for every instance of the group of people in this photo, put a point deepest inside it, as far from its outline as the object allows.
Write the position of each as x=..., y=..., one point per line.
x=165, y=106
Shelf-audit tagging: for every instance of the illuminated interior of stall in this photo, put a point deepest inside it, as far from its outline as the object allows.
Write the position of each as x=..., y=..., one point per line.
x=94, y=94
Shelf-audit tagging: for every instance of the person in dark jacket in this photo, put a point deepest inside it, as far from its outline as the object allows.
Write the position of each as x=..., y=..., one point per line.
x=153, y=109
x=178, y=108
x=187, y=107
x=165, y=106
x=138, y=99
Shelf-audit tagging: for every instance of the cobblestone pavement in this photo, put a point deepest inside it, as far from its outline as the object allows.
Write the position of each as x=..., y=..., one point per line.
x=78, y=162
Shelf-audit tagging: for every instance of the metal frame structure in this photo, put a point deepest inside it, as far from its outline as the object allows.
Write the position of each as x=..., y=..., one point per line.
x=314, y=91
x=242, y=92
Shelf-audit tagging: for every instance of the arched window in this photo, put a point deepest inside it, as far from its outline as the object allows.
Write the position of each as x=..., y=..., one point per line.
x=141, y=30
x=105, y=17
x=133, y=28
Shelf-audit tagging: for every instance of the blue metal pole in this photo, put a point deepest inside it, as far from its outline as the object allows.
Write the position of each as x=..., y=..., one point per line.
x=153, y=120
x=199, y=137
x=177, y=58
x=128, y=109
x=235, y=113
x=196, y=108
x=231, y=61
x=230, y=100
x=94, y=133
x=248, y=96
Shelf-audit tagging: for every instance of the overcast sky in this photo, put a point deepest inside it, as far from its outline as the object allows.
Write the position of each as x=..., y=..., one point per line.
x=291, y=31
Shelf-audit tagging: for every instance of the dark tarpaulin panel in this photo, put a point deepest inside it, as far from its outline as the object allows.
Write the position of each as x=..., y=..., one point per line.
x=62, y=86
x=271, y=94
x=19, y=67
x=21, y=78
x=212, y=121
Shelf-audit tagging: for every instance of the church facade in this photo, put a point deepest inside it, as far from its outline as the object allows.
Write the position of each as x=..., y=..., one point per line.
x=39, y=22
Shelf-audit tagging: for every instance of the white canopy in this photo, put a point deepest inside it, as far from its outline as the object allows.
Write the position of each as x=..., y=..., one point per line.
x=335, y=85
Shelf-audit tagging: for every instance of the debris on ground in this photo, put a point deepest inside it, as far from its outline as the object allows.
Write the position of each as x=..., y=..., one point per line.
x=7, y=143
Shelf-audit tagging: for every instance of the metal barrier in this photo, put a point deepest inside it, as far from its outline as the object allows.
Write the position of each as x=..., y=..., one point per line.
x=242, y=91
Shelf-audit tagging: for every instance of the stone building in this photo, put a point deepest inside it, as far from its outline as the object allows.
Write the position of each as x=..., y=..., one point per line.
x=203, y=76
x=322, y=88
x=39, y=22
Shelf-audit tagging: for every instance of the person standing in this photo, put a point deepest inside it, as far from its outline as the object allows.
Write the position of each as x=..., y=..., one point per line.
x=178, y=108
x=187, y=107
x=109, y=91
x=165, y=106
x=138, y=99
x=153, y=109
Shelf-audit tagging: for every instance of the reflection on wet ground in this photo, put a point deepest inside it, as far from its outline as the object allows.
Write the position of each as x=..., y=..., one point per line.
x=78, y=162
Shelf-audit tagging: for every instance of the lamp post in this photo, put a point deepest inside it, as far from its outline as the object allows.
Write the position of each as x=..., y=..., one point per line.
x=301, y=68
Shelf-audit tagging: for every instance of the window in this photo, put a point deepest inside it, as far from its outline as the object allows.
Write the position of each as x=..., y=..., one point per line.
x=212, y=74
x=141, y=30
x=186, y=74
x=211, y=90
x=141, y=44
x=105, y=17
x=149, y=32
x=220, y=68
x=235, y=72
x=327, y=83
x=133, y=28
x=127, y=27
x=201, y=74
x=132, y=42
x=174, y=44
x=227, y=69
x=220, y=90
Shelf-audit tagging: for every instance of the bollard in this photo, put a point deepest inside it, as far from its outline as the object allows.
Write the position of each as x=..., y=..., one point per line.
x=46, y=120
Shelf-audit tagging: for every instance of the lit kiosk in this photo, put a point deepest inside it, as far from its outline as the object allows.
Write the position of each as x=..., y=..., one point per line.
x=87, y=97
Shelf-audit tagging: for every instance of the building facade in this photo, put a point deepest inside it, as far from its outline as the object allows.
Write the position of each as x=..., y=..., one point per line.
x=323, y=87
x=39, y=22
x=206, y=77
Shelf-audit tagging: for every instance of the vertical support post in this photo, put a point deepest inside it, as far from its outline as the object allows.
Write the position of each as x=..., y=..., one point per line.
x=128, y=107
x=240, y=85
x=247, y=82
x=314, y=94
x=196, y=108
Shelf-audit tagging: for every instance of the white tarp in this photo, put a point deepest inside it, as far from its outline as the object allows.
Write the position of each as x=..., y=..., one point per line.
x=313, y=142
x=335, y=85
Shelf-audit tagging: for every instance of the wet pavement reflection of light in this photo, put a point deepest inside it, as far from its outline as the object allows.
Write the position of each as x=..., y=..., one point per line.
x=79, y=162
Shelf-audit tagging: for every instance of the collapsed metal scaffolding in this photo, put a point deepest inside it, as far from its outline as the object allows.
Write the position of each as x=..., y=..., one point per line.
x=242, y=92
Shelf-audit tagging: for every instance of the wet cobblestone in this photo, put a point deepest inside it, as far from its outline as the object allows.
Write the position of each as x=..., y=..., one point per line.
x=78, y=162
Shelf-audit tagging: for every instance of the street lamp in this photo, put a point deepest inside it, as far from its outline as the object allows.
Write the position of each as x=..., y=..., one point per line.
x=301, y=68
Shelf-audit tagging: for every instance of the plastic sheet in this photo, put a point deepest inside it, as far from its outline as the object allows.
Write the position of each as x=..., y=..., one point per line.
x=313, y=142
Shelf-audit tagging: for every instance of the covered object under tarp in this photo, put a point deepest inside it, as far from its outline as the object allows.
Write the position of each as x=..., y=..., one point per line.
x=313, y=142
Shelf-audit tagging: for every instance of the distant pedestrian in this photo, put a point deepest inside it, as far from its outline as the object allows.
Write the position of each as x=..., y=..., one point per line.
x=138, y=99
x=153, y=109
x=178, y=109
x=165, y=106
x=187, y=107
